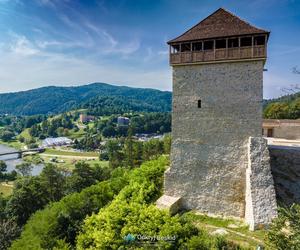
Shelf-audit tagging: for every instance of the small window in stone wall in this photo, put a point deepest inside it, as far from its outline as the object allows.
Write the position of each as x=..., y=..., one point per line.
x=199, y=104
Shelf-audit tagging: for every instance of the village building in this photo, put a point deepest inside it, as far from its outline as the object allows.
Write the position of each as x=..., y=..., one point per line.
x=123, y=121
x=284, y=129
x=57, y=141
x=86, y=118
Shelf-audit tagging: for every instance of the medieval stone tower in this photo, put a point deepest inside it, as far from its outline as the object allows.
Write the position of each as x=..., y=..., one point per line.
x=217, y=120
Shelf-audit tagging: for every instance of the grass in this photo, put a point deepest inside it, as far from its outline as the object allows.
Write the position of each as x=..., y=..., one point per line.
x=76, y=135
x=237, y=231
x=70, y=153
x=91, y=125
x=25, y=134
x=6, y=189
x=69, y=163
x=13, y=143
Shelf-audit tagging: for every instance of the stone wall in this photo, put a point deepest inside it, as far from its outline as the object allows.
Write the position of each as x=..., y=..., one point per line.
x=209, y=146
x=261, y=205
x=285, y=165
x=287, y=132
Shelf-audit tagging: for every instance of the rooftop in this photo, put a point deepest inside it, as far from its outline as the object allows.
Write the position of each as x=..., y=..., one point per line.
x=221, y=23
x=277, y=122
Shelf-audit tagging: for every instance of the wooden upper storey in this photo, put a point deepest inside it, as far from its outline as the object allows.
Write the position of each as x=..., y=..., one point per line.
x=221, y=36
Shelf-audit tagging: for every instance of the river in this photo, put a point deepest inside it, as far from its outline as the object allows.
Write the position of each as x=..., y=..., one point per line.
x=12, y=160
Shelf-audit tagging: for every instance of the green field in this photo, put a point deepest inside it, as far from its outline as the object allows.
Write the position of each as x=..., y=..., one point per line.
x=5, y=189
x=69, y=163
x=76, y=135
x=70, y=153
x=13, y=143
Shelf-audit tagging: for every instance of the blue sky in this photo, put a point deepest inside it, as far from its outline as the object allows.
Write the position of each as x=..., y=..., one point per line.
x=72, y=42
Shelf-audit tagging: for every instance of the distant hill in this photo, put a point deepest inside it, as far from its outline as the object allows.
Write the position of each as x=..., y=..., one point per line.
x=285, y=98
x=285, y=107
x=59, y=99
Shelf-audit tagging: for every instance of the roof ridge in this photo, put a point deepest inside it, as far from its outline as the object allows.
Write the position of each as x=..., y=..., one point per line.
x=196, y=24
x=219, y=14
x=242, y=19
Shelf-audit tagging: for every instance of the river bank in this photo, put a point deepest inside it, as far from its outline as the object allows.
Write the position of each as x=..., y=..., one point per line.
x=12, y=160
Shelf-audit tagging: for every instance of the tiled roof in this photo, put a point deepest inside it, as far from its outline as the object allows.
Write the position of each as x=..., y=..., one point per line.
x=221, y=23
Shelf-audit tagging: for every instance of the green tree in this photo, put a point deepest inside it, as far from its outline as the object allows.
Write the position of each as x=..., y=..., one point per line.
x=3, y=168
x=85, y=175
x=128, y=148
x=24, y=168
x=54, y=182
x=295, y=109
x=277, y=110
x=21, y=139
x=62, y=220
x=6, y=135
x=115, y=154
x=9, y=231
x=28, y=196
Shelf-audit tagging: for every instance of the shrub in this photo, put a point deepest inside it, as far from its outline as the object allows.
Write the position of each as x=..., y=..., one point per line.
x=284, y=232
x=131, y=215
x=61, y=220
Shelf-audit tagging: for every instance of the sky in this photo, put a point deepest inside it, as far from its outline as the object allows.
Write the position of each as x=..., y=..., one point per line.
x=123, y=42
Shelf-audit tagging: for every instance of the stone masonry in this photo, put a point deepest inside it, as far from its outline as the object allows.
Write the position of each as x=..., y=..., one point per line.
x=261, y=205
x=209, y=154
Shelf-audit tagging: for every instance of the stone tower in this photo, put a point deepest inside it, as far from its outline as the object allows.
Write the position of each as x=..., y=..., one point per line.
x=217, y=120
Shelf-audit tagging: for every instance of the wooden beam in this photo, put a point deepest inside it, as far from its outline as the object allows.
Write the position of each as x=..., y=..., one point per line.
x=214, y=49
x=226, y=48
x=252, y=47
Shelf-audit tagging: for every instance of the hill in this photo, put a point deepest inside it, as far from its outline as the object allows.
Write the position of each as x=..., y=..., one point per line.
x=55, y=100
x=284, y=98
x=285, y=107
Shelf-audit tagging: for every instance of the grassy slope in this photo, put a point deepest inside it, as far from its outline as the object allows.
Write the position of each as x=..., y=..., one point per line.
x=237, y=231
x=6, y=189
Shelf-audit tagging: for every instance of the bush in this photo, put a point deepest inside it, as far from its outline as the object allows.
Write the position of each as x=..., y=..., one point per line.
x=62, y=220
x=131, y=217
x=284, y=232
x=9, y=230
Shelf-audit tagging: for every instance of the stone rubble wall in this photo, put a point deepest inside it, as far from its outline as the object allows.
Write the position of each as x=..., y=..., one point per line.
x=261, y=205
x=285, y=165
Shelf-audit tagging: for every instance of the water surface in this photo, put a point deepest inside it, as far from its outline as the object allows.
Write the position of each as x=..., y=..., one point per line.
x=12, y=160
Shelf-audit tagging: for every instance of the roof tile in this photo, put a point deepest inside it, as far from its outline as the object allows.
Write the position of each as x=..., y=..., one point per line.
x=221, y=23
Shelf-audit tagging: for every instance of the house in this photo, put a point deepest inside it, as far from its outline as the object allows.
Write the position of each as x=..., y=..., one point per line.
x=123, y=121
x=285, y=129
x=86, y=118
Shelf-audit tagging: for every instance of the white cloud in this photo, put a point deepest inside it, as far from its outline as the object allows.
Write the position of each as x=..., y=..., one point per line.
x=23, y=46
x=26, y=65
x=274, y=84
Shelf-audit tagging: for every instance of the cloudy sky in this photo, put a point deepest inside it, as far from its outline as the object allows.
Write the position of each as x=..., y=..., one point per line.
x=123, y=42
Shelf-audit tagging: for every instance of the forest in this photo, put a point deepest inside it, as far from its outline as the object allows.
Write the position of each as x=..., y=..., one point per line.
x=55, y=100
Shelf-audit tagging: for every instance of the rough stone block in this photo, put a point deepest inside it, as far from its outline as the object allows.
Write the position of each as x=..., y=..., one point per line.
x=170, y=203
x=261, y=205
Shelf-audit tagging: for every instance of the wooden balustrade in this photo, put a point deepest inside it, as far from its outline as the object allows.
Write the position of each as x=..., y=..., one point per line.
x=218, y=54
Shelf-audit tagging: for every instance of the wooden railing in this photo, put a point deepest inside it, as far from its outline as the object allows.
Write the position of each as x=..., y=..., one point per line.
x=218, y=54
